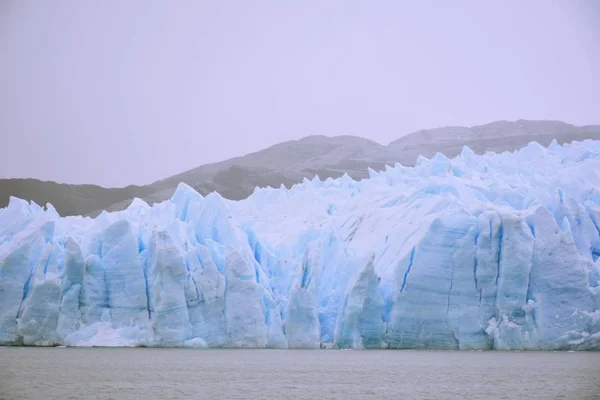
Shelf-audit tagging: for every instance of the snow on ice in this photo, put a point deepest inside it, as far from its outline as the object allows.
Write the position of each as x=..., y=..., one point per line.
x=495, y=251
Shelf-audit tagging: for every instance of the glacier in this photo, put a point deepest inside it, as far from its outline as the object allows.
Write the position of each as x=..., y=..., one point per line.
x=493, y=251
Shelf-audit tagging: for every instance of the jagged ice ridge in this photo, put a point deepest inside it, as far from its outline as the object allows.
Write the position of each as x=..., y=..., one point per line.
x=499, y=251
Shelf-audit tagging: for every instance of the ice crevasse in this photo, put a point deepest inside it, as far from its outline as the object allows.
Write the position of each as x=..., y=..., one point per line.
x=494, y=251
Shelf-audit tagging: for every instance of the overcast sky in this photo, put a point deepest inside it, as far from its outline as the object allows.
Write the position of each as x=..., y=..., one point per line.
x=129, y=92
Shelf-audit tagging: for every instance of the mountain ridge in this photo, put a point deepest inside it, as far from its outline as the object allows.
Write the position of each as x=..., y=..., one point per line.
x=290, y=162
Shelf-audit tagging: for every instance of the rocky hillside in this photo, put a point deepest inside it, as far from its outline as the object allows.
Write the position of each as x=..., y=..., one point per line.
x=288, y=163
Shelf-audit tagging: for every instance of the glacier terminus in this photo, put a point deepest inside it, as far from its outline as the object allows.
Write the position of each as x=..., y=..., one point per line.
x=494, y=251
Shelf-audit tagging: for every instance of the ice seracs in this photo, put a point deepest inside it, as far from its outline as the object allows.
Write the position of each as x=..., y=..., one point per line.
x=500, y=251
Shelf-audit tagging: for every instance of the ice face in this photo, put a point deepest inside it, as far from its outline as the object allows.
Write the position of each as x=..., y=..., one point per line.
x=500, y=251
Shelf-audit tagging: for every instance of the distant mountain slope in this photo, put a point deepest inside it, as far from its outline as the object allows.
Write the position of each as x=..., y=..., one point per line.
x=68, y=199
x=289, y=162
x=497, y=136
x=309, y=152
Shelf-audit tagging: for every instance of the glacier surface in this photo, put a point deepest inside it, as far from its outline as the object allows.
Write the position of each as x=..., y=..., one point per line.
x=499, y=251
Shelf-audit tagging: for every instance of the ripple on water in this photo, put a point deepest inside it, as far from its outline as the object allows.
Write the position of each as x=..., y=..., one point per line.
x=146, y=373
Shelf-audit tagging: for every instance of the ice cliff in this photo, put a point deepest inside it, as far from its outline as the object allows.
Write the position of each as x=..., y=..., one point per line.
x=499, y=251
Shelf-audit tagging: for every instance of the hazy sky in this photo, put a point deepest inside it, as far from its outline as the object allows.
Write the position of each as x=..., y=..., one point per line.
x=122, y=92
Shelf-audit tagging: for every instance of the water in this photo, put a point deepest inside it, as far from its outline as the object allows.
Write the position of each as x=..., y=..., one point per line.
x=142, y=373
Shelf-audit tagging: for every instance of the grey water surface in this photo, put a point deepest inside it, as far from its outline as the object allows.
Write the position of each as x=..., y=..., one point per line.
x=146, y=373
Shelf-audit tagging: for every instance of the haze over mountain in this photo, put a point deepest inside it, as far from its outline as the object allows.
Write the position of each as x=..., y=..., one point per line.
x=290, y=162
